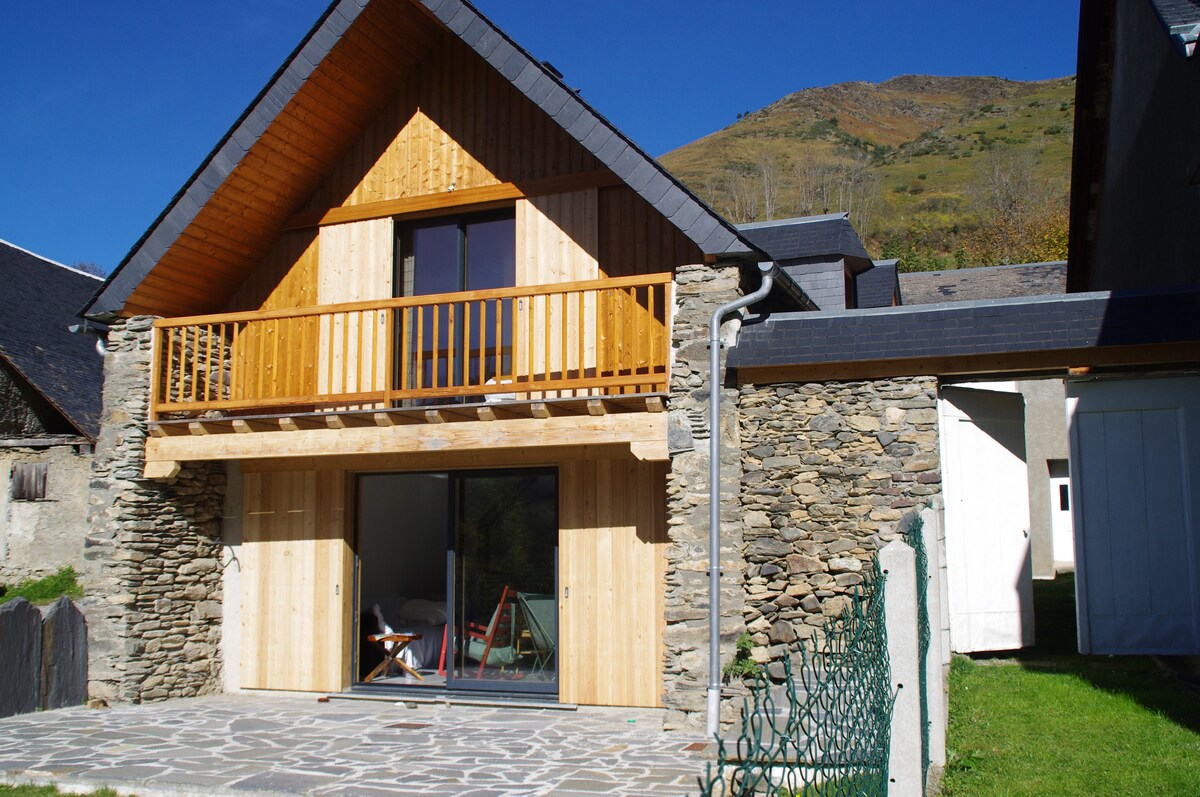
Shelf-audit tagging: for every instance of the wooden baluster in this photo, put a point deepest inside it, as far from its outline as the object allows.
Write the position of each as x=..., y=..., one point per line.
x=515, y=341
x=219, y=392
x=466, y=337
x=547, y=359
x=345, y=385
x=581, y=336
x=631, y=331
x=155, y=372
x=499, y=342
x=176, y=373
x=406, y=314
x=482, y=341
x=389, y=354
x=451, y=340
x=563, y=350
x=419, y=376
x=273, y=382
x=235, y=354
x=435, y=351
x=358, y=357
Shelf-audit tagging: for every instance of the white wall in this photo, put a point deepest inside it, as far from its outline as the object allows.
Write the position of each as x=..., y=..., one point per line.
x=40, y=537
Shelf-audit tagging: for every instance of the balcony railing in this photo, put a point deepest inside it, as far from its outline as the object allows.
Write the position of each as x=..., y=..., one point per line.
x=601, y=337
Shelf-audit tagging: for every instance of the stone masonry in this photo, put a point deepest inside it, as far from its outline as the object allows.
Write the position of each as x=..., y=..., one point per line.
x=152, y=576
x=699, y=290
x=828, y=469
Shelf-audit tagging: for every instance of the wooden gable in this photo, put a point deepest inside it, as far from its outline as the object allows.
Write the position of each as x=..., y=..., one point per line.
x=396, y=108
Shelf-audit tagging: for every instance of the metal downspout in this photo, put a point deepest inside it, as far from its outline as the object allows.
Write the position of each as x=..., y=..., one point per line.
x=714, y=491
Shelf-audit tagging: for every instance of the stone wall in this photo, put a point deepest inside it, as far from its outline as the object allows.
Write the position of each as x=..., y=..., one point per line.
x=827, y=471
x=699, y=290
x=152, y=578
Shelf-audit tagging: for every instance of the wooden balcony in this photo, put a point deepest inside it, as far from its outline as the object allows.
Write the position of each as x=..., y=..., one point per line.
x=603, y=338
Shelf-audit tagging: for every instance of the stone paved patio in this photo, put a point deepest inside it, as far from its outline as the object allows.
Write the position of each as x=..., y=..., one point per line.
x=241, y=745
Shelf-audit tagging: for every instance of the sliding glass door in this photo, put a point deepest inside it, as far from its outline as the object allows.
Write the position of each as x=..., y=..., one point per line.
x=458, y=580
x=504, y=602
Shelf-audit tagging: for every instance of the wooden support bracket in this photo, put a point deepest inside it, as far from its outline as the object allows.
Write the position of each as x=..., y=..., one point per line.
x=596, y=407
x=166, y=469
x=650, y=450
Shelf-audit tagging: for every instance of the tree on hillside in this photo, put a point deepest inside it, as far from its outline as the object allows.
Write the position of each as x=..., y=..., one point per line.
x=1019, y=219
x=823, y=185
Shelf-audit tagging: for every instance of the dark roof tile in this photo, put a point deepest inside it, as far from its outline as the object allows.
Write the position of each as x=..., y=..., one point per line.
x=39, y=302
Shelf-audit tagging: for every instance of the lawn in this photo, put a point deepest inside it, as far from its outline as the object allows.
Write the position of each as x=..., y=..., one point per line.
x=1051, y=722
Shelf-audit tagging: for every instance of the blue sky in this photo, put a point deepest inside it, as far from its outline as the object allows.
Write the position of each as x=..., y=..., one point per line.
x=107, y=107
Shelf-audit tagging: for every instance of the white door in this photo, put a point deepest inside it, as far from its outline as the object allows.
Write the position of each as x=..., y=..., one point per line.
x=1135, y=474
x=985, y=488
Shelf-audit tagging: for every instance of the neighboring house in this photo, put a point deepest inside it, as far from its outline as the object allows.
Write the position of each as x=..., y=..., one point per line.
x=50, y=382
x=1135, y=444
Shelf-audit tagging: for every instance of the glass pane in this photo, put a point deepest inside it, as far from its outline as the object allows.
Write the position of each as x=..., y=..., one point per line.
x=435, y=259
x=491, y=254
x=505, y=598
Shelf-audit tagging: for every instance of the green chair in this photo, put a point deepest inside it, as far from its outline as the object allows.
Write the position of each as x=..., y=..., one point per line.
x=541, y=618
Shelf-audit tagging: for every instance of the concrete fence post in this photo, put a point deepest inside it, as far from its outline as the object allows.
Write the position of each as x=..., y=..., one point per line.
x=899, y=565
x=935, y=672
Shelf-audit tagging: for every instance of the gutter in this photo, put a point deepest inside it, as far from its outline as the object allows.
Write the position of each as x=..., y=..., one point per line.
x=769, y=271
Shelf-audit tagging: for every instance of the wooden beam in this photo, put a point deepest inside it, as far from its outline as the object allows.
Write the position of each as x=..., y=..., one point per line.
x=486, y=413
x=384, y=419
x=335, y=422
x=442, y=460
x=596, y=406
x=654, y=404
x=434, y=416
x=288, y=425
x=518, y=433
x=539, y=409
x=500, y=194
x=161, y=469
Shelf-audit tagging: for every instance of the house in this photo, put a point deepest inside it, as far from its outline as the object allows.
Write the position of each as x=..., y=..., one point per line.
x=405, y=390
x=1134, y=444
x=404, y=355
x=49, y=414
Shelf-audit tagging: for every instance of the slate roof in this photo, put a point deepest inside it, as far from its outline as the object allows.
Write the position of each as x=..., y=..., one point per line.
x=540, y=83
x=878, y=285
x=1182, y=20
x=805, y=236
x=991, y=282
x=38, y=302
x=1029, y=324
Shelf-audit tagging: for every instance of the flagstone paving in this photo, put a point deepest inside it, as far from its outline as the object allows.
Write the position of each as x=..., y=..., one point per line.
x=272, y=745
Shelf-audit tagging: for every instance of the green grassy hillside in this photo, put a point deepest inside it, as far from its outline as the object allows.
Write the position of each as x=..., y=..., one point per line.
x=942, y=170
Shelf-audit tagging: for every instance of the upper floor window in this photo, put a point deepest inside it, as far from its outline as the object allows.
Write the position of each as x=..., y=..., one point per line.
x=28, y=481
x=461, y=253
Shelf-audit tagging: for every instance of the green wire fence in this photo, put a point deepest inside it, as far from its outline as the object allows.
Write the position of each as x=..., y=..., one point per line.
x=825, y=731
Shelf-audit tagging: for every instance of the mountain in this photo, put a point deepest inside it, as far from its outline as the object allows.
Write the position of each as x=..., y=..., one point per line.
x=941, y=171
